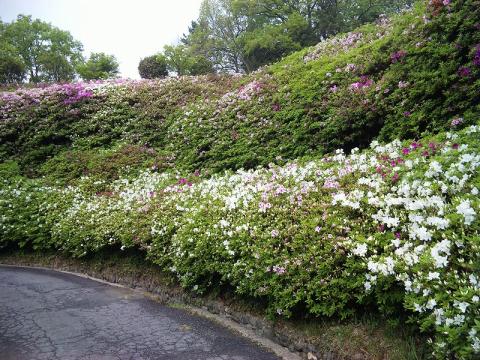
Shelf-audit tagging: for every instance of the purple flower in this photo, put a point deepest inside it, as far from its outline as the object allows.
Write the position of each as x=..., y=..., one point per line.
x=464, y=71
x=276, y=107
x=405, y=151
x=279, y=270
x=398, y=56
x=407, y=113
x=264, y=206
x=398, y=235
x=476, y=59
x=331, y=183
x=457, y=121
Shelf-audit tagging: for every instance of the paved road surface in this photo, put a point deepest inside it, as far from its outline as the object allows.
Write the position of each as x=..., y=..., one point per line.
x=50, y=315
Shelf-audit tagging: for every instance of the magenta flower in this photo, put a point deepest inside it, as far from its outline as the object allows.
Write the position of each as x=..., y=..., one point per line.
x=364, y=82
x=405, y=151
x=276, y=107
x=415, y=145
x=455, y=146
x=398, y=235
x=407, y=113
x=395, y=177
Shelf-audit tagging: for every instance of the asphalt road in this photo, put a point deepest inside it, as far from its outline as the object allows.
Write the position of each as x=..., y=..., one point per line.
x=51, y=315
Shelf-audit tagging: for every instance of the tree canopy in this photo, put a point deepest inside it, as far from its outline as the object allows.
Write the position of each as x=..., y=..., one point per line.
x=99, y=66
x=242, y=35
x=37, y=51
x=152, y=67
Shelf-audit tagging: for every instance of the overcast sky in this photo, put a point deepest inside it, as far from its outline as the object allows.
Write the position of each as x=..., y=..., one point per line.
x=128, y=29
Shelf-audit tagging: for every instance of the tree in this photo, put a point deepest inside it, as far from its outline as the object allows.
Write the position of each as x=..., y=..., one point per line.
x=152, y=67
x=225, y=25
x=182, y=61
x=12, y=68
x=99, y=66
x=47, y=53
x=241, y=35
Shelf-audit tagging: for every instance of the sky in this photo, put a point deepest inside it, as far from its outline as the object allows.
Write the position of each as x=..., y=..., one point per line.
x=130, y=30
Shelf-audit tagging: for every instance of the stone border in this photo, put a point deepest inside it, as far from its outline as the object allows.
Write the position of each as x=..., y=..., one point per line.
x=285, y=345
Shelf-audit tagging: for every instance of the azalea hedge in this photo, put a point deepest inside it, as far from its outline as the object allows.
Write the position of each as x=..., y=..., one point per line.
x=395, y=226
x=197, y=173
x=404, y=77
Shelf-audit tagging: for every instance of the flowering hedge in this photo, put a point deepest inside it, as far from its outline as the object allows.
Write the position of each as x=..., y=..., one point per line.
x=403, y=77
x=393, y=226
x=141, y=164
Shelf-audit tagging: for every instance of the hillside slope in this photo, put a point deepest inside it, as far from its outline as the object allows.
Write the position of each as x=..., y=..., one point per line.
x=401, y=78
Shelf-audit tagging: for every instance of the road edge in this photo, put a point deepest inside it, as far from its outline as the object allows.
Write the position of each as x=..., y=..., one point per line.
x=238, y=328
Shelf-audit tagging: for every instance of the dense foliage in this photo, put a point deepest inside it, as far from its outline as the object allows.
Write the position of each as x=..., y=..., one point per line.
x=401, y=78
x=239, y=35
x=396, y=226
x=37, y=50
x=99, y=66
x=153, y=67
x=199, y=174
